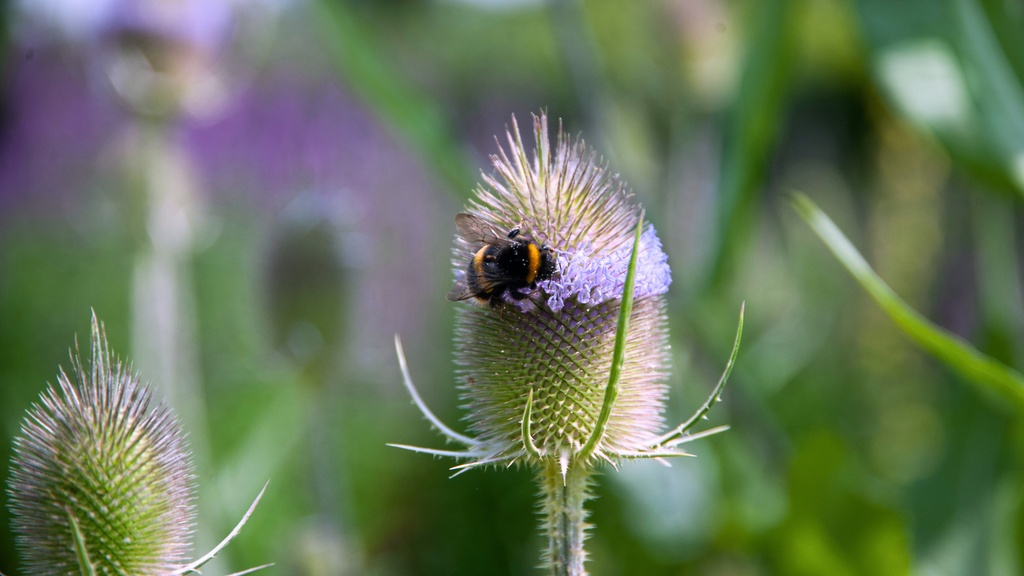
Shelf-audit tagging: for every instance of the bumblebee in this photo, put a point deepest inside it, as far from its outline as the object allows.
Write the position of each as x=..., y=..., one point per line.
x=502, y=265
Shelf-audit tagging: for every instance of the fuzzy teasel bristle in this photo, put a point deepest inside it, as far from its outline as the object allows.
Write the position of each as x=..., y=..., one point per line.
x=558, y=341
x=100, y=475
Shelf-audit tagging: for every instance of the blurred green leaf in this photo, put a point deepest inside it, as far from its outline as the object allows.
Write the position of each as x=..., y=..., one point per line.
x=946, y=68
x=989, y=374
x=396, y=102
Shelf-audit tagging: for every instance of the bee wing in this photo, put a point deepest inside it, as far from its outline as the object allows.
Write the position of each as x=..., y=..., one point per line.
x=476, y=231
x=459, y=292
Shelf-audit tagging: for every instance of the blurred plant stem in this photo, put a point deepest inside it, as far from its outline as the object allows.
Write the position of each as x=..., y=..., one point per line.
x=1002, y=545
x=998, y=273
x=164, y=332
x=331, y=483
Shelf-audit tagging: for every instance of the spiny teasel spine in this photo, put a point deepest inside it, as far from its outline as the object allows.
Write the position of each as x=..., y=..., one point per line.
x=572, y=373
x=94, y=454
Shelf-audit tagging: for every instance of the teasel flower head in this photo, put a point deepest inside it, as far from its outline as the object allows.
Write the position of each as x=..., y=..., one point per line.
x=101, y=480
x=557, y=342
x=562, y=366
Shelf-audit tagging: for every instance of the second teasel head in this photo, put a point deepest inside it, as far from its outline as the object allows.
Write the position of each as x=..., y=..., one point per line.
x=95, y=458
x=550, y=336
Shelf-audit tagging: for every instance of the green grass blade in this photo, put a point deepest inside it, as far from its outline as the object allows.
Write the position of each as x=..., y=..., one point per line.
x=85, y=566
x=611, y=392
x=985, y=372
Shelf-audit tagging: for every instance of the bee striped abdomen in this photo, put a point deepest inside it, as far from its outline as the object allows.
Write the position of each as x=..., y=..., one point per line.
x=478, y=261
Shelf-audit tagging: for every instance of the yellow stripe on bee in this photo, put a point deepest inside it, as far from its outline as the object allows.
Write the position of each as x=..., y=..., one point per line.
x=531, y=272
x=483, y=284
x=478, y=262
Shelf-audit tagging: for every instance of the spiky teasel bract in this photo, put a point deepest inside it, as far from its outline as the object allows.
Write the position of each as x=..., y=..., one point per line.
x=95, y=459
x=574, y=372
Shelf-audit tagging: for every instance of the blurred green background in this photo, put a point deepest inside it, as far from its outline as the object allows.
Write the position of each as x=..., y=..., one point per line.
x=255, y=196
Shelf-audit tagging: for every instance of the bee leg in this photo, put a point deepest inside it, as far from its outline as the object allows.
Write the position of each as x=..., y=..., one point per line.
x=513, y=233
x=517, y=295
x=496, y=299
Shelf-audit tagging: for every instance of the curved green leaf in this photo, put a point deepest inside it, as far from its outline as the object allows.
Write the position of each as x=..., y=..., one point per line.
x=619, y=353
x=987, y=373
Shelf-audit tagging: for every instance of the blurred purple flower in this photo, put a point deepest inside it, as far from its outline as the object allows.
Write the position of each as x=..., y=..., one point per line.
x=281, y=139
x=201, y=23
x=53, y=134
x=204, y=24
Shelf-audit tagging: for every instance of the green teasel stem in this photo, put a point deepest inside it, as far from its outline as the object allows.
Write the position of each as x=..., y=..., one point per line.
x=564, y=516
x=566, y=490
x=619, y=354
